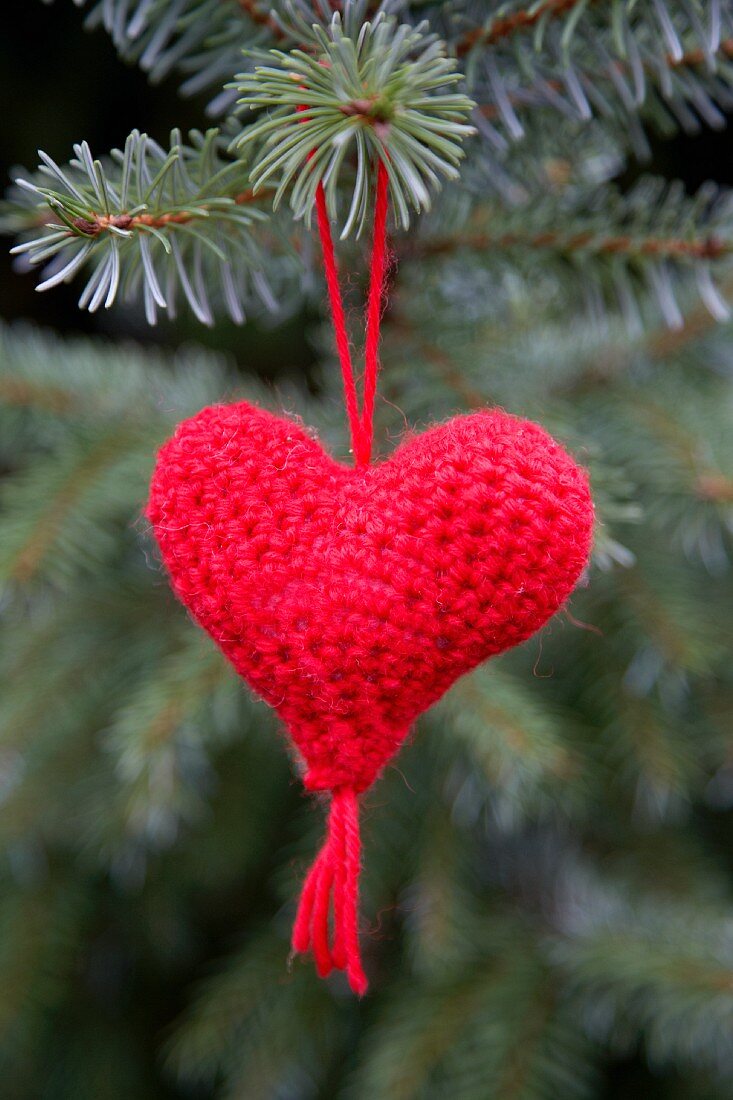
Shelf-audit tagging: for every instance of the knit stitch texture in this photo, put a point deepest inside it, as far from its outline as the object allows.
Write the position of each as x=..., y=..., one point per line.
x=350, y=598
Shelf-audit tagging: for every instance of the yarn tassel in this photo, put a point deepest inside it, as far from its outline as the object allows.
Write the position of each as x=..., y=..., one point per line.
x=331, y=889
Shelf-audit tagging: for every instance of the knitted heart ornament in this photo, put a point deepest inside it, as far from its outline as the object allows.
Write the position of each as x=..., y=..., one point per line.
x=351, y=598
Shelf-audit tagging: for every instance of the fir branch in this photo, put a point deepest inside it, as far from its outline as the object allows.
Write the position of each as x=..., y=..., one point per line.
x=653, y=244
x=378, y=94
x=50, y=381
x=243, y=1019
x=687, y=493
x=158, y=741
x=149, y=223
x=513, y=740
x=47, y=530
x=528, y=98
x=665, y=64
x=493, y=1016
x=656, y=965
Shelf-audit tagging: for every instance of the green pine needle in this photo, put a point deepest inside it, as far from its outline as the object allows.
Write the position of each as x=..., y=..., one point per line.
x=334, y=112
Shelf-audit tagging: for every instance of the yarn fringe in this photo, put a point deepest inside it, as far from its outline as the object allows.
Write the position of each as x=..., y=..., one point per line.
x=331, y=888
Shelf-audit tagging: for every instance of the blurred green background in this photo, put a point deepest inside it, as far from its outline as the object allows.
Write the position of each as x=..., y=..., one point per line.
x=143, y=942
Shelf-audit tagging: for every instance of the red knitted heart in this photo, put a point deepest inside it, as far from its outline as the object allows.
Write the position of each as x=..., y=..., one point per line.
x=352, y=598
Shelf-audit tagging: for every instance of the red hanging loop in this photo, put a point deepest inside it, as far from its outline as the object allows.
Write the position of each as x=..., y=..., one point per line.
x=361, y=424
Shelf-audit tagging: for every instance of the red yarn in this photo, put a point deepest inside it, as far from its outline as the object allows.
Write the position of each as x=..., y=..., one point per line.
x=334, y=879
x=374, y=308
x=337, y=868
x=351, y=598
x=361, y=424
x=339, y=322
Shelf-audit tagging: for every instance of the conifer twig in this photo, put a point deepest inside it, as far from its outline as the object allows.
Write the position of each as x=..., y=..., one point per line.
x=707, y=248
x=95, y=224
x=149, y=219
x=385, y=95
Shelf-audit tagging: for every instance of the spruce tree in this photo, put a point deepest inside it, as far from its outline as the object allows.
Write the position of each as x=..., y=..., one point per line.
x=547, y=873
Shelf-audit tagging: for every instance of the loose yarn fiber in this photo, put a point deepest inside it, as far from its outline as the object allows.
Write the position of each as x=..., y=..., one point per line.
x=351, y=598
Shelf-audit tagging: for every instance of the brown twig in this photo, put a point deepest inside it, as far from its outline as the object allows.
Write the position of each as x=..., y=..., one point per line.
x=100, y=223
x=710, y=248
x=507, y=25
